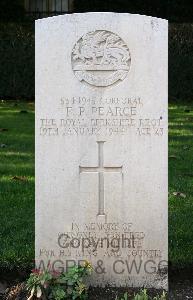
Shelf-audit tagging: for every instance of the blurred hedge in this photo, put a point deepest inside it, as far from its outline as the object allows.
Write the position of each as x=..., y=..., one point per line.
x=17, y=61
x=12, y=10
x=173, y=10
x=181, y=62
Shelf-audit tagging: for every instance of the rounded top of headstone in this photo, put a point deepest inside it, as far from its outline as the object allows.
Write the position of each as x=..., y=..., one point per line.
x=113, y=14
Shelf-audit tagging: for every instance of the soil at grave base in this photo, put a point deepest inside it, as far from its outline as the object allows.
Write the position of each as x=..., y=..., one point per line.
x=18, y=292
x=112, y=293
x=181, y=287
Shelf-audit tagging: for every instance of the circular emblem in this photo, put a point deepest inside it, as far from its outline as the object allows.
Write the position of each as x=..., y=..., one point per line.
x=101, y=58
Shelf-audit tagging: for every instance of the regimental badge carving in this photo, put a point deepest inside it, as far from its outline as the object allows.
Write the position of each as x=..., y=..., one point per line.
x=101, y=58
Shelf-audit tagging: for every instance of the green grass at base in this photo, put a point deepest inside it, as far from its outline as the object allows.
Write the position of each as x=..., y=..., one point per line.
x=16, y=196
x=181, y=180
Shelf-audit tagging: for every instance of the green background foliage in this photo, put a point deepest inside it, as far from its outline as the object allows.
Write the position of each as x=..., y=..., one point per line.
x=12, y=10
x=181, y=62
x=17, y=56
x=174, y=10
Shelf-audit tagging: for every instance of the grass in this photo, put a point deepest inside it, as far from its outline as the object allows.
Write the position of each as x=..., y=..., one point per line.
x=16, y=196
x=17, y=185
x=181, y=181
x=143, y=295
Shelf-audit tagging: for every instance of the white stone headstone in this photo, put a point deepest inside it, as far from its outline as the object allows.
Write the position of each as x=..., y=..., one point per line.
x=101, y=146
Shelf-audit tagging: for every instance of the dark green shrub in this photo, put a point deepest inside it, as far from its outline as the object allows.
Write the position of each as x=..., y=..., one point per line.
x=17, y=60
x=181, y=62
x=12, y=10
x=58, y=286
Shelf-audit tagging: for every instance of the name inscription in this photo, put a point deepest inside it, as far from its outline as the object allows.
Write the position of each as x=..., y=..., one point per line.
x=102, y=116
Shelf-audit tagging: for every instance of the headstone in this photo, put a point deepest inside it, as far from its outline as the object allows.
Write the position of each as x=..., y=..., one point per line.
x=101, y=146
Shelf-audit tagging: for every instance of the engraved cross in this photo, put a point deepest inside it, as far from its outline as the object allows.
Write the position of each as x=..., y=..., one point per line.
x=100, y=169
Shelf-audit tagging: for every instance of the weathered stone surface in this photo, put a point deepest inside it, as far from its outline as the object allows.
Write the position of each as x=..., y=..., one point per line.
x=101, y=146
